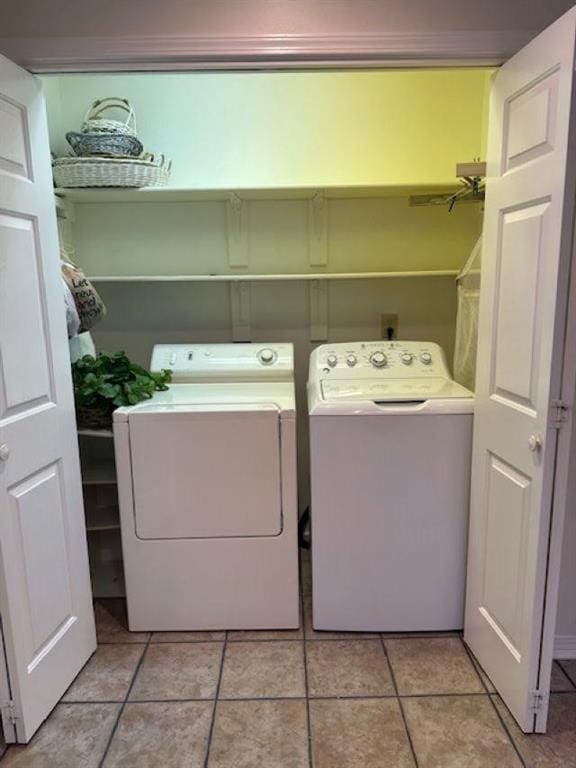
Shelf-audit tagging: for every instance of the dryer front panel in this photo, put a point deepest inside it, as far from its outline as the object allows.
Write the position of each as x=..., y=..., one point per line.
x=202, y=473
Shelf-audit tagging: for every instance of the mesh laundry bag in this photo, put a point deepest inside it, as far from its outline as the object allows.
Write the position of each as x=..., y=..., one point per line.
x=468, y=282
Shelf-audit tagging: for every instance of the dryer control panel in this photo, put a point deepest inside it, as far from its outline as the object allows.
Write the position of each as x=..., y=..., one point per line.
x=225, y=362
x=378, y=360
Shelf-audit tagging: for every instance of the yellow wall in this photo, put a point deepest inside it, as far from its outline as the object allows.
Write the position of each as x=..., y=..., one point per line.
x=190, y=238
x=247, y=130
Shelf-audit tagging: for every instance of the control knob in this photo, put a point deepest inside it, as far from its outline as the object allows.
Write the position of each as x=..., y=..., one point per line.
x=406, y=358
x=332, y=360
x=378, y=359
x=351, y=360
x=426, y=358
x=267, y=356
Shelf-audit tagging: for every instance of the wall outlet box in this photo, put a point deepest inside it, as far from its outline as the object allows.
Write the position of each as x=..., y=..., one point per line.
x=389, y=327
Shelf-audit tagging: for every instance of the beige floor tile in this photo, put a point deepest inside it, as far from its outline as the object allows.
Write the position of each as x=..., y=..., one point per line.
x=431, y=666
x=74, y=736
x=178, y=671
x=458, y=732
x=312, y=634
x=359, y=733
x=108, y=674
x=483, y=676
x=238, y=635
x=112, y=623
x=170, y=735
x=569, y=667
x=188, y=637
x=259, y=734
x=560, y=681
x=348, y=668
x=556, y=748
x=263, y=670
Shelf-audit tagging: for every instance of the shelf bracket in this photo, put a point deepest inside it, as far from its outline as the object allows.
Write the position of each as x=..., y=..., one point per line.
x=240, y=310
x=318, y=230
x=318, y=310
x=237, y=231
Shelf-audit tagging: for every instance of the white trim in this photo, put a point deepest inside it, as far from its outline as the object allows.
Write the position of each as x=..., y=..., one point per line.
x=565, y=647
x=163, y=52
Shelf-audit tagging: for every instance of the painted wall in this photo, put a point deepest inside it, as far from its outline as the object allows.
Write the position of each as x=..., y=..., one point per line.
x=251, y=130
x=247, y=18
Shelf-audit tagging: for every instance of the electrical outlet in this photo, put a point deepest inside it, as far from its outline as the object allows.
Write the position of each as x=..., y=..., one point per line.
x=389, y=327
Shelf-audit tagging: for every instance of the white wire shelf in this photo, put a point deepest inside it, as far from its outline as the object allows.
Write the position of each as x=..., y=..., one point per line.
x=96, y=433
x=183, y=194
x=302, y=276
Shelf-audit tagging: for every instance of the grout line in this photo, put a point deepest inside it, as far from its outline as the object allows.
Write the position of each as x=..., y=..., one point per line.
x=123, y=705
x=216, y=696
x=306, y=687
x=399, y=700
x=316, y=638
x=494, y=707
x=563, y=693
x=327, y=697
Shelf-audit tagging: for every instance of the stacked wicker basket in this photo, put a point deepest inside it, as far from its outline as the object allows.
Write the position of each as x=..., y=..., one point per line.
x=108, y=153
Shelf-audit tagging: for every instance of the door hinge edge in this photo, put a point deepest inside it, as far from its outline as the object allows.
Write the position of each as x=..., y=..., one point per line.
x=559, y=413
x=9, y=712
x=536, y=700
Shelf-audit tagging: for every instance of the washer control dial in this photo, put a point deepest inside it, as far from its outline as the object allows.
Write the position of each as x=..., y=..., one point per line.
x=332, y=360
x=426, y=358
x=378, y=359
x=407, y=358
x=267, y=356
x=351, y=360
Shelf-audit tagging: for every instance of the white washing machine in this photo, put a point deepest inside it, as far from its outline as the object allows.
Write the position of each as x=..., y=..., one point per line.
x=207, y=490
x=390, y=439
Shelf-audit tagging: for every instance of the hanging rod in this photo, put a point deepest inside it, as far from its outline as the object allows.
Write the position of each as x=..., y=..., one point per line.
x=270, y=277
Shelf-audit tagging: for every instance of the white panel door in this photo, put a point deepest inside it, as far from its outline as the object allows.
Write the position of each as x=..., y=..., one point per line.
x=525, y=263
x=45, y=594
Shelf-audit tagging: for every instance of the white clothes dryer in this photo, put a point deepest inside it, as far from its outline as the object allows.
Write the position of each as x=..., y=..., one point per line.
x=390, y=444
x=207, y=491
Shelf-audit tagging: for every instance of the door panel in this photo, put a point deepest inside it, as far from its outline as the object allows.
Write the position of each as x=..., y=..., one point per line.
x=25, y=367
x=508, y=507
x=37, y=515
x=515, y=338
x=216, y=475
x=15, y=147
x=45, y=594
x=525, y=262
x=530, y=121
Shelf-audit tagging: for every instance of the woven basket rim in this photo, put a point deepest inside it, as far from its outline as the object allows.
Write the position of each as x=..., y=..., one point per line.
x=76, y=160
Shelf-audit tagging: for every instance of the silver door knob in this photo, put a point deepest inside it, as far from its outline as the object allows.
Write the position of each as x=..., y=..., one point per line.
x=4, y=452
x=535, y=442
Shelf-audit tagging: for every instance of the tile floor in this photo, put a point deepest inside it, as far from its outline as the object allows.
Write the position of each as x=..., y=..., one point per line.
x=292, y=699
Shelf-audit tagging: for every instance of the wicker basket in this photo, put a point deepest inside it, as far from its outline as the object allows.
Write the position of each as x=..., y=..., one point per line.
x=94, y=122
x=111, y=171
x=94, y=418
x=111, y=144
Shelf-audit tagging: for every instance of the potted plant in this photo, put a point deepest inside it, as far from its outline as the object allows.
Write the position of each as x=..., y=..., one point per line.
x=106, y=382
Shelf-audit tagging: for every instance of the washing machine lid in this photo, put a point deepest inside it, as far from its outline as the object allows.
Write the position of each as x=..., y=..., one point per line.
x=392, y=390
x=205, y=472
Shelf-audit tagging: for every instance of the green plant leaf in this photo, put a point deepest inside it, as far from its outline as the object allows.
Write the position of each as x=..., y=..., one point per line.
x=108, y=381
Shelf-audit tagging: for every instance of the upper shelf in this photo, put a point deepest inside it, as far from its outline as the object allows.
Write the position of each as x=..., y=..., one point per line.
x=180, y=195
